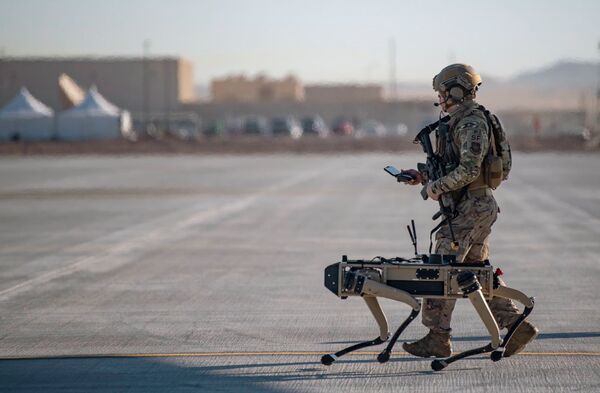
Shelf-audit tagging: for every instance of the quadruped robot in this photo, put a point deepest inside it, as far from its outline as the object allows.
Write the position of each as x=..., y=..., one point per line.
x=424, y=276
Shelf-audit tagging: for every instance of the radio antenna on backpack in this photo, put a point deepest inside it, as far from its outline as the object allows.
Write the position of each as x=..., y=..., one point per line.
x=413, y=235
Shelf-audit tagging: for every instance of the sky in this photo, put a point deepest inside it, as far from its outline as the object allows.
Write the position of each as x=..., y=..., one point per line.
x=318, y=41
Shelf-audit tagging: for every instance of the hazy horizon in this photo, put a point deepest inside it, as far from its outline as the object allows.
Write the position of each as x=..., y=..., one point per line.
x=337, y=41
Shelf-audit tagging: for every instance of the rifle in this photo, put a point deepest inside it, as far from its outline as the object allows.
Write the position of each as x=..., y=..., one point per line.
x=435, y=169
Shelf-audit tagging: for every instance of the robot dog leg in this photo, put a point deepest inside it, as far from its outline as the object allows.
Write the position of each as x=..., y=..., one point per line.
x=368, y=286
x=377, y=312
x=471, y=287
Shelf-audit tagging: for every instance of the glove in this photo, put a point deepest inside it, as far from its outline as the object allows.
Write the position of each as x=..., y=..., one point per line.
x=415, y=174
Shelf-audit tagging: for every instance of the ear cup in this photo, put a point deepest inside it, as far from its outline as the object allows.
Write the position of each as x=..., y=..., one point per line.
x=456, y=93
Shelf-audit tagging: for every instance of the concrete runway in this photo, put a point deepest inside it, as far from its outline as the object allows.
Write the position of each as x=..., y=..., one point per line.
x=205, y=274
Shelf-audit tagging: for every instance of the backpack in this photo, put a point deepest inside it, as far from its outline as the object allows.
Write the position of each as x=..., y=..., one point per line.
x=498, y=160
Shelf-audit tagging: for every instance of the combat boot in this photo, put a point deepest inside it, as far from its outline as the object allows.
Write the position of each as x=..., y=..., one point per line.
x=524, y=334
x=433, y=344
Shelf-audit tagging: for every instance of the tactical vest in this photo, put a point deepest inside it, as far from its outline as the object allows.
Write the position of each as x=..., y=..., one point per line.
x=497, y=162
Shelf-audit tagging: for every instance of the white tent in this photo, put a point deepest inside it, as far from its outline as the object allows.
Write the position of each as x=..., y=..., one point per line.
x=26, y=118
x=93, y=118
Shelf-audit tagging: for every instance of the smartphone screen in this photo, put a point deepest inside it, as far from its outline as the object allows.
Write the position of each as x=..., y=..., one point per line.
x=392, y=170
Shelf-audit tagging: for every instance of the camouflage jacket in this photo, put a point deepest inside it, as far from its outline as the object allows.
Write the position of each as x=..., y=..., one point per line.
x=470, y=138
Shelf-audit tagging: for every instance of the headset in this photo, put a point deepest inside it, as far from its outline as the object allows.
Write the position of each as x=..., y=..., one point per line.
x=458, y=89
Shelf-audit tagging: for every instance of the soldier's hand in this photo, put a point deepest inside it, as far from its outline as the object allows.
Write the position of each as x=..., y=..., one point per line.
x=432, y=194
x=415, y=174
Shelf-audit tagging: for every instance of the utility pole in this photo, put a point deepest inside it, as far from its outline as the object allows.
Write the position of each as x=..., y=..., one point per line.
x=167, y=92
x=2, y=79
x=392, y=83
x=145, y=53
x=597, y=108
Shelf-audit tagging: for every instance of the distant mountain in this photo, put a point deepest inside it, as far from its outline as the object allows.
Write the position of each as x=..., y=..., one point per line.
x=567, y=85
x=570, y=75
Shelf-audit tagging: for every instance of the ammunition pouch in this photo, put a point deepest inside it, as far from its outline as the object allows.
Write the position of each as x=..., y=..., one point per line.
x=492, y=171
x=479, y=192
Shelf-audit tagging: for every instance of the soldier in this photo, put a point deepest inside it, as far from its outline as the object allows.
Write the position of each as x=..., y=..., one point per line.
x=463, y=153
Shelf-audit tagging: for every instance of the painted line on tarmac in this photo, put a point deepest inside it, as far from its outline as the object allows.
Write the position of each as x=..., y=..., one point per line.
x=258, y=353
x=127, y=245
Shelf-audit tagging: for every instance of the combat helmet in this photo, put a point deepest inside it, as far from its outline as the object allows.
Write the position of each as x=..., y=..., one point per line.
x=458, y=80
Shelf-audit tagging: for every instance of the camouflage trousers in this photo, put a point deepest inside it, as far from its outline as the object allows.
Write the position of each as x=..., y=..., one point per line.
x=472, y=228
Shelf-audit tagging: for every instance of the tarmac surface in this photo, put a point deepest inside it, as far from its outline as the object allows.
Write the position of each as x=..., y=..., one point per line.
x=205, y=274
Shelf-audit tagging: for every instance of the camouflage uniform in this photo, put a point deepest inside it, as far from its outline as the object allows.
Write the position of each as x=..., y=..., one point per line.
x=477, y=210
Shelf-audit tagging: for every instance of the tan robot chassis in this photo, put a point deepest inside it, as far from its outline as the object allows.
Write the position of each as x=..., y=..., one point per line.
x=425, y=276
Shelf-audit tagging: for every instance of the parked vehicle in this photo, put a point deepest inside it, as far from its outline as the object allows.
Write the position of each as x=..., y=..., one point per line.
x=371, y=128
x=215, y=128
x=342, y=126
x=255, y=125
x=234, y=126
x=402, y=129
x=314, y=125
x=398, y=129
x=288, y=126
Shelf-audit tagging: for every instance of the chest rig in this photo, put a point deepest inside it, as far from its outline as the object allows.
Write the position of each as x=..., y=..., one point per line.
x=448, y=148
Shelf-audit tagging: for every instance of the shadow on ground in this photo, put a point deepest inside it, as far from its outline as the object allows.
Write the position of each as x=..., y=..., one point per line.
x=181, y=375
x=222, y=374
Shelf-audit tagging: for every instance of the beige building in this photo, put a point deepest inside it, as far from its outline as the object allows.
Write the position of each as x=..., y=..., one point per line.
x=239, y=89
x=348, y=93
x=166, y=82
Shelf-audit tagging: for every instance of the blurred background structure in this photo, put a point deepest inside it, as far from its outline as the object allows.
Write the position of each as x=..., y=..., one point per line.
x=196, y=70
x=164, y=82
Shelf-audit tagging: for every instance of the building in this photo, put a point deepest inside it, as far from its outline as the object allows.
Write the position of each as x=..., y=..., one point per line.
x=239, y=89
x=348, y=93
x=154, y=84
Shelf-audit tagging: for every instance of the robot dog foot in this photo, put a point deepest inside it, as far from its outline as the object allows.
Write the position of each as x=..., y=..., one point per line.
x=328, y=360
